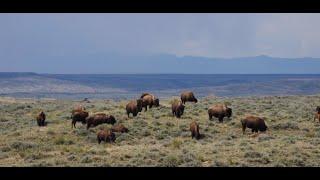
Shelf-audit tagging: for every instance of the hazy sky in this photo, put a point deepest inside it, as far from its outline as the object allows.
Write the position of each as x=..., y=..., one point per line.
x=24, y=36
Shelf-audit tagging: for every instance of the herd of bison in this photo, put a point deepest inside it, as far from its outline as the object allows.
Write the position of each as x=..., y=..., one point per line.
x=79, y=114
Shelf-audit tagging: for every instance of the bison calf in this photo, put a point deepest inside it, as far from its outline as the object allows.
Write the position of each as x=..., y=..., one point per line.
x=106, y=136
x=134, y=107
x=79, y=117
x=188, y=96
x=177, y=109
x=41, y=118
x=254, y=123
x=219, y=111
x=194, y=128
x=99, y=118
x=119, y=128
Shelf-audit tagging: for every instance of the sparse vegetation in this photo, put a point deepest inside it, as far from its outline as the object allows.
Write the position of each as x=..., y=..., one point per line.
x=156, y=138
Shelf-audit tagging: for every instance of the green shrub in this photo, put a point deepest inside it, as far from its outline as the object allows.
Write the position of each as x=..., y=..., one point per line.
x=62, y=141
x=21, y=146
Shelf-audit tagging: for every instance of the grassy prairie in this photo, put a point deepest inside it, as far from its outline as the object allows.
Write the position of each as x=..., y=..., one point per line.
x=158, y=139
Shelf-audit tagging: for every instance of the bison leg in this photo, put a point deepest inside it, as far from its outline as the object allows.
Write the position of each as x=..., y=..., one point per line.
x=73, y=124
x=99, y=140
x=192, y=135
x=243, y=128
x=178, y=114
x=146, y=108
x=210, y=117
x=220, y=118
x=88, y=126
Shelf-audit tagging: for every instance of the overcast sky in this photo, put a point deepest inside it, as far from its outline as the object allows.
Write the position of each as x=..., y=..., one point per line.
x=24, y=36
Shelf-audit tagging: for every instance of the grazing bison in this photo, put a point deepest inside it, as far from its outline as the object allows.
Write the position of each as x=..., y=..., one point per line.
x=106, y=136
x=194, y=128
x=100, y=118
x=188, y=96
x=219, y=111
x=254, y=123
x=79, y=117
x=41, y=118
x=177, y=109
x=134, y=107
x=317, y=115
x=119, y=128
x=149, y=100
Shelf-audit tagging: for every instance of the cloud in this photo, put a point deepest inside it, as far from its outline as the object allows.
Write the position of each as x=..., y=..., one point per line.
x=25, y=36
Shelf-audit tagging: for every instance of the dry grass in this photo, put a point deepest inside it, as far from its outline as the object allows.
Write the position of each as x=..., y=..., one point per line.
x=158, y=139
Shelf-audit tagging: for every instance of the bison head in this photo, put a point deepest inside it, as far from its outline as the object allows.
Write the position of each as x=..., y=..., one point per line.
x=195, y=100
x=182, y=108
x=111, y=119
x=156, y=102
x=263, y=128
x=125, y=130
x=229, y=112
x=139, y=104
x=112, y=137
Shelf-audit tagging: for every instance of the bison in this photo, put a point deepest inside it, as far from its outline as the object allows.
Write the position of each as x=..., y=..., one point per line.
x=317, y=114
x=119, y=128
x=79, y=117
x=188, y=96
x=149, y=100
x=106, y=136
x=41, y=118
x=177, y=109
x=219, y=111
x=134, y=107
x=100, y=118
x=194, y=128
x=254, y=123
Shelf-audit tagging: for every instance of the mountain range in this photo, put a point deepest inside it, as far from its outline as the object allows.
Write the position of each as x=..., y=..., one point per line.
x=165, y=64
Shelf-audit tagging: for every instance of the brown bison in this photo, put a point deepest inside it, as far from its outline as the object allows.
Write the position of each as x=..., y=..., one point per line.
x=219, y=111
x=317, y=115
x=134, y=107
x=41, y=118
x=177, y=109
x=100, y=118
x=119, y=128
x=188, y=96
x=254, y=123
x=149, y=100
x=194, y=128
x=79, y=117
x=106, y=136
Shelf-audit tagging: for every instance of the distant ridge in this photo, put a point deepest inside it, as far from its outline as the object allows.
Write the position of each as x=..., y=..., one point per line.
x=101, y=63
